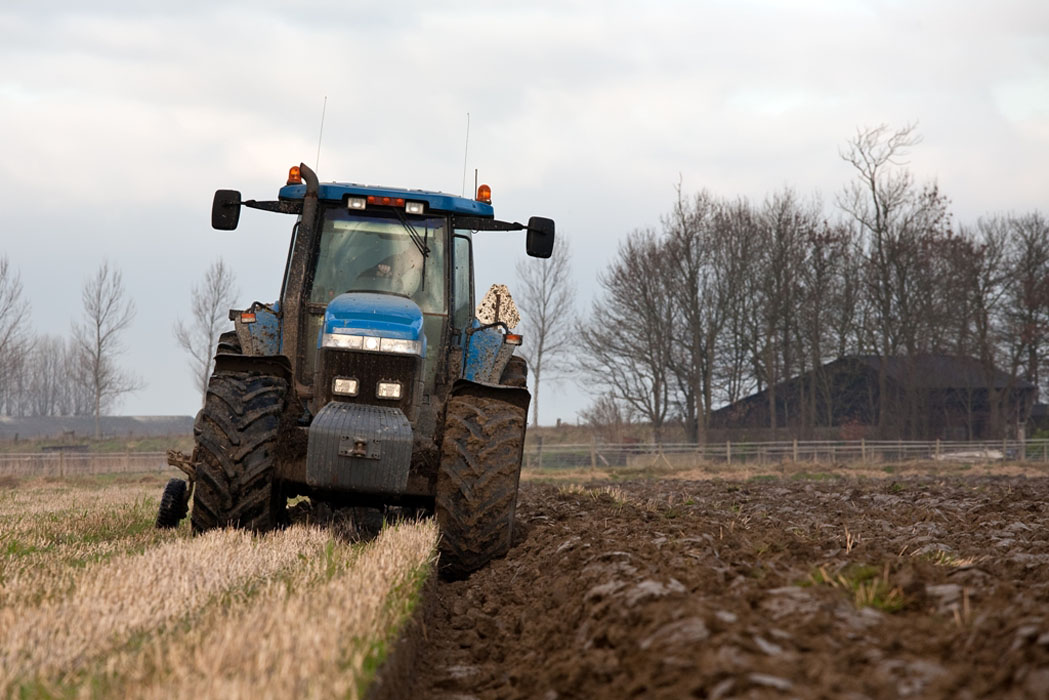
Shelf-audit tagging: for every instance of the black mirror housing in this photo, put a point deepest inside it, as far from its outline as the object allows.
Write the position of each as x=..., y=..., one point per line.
x=540, y=241
x=225, y=210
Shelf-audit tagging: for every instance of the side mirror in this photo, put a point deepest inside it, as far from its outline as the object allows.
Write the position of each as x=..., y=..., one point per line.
x=225, y=210
x=540, y=241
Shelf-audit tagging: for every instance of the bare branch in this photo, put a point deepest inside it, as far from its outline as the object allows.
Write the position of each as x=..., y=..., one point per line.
x=209, y=303
x=96, y=339
x=15, y=334
x=546, y=300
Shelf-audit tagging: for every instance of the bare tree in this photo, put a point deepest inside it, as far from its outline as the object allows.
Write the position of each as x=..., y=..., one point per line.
x=1027, y=312
x=826, y=310
x=626, y=347
x=901, y=224
x=706, y=248
x=546, y=300
x=606, y=418
x=48, y=379
x=107, y=314
x=15, y=334
x=778, y=260
x=210, y=303
x=737, y=242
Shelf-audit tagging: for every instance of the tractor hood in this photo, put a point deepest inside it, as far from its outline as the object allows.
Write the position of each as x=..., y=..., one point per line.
x=378, y=315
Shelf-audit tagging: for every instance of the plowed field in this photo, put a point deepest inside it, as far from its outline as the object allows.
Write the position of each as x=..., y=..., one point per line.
x=844, y=588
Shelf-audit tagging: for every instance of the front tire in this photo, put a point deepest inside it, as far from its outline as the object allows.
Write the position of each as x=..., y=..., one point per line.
x=174, y=504
x=477, y=481
x=237, y=433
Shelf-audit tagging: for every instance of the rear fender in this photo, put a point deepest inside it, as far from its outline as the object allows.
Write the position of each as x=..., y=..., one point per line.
x=258, y=328
x=275, y=365
x=514, y=395
x=487, y=353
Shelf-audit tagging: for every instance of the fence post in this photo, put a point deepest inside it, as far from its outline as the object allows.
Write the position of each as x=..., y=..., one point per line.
x=863, y=450
x=795, y=452
x=539, y=446
x=62, y=463
x=593, y=453
x=937, y=448
x=728, y=452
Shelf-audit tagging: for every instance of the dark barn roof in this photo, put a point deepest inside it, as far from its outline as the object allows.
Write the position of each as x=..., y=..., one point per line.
x=926, y=395
x=938, y=372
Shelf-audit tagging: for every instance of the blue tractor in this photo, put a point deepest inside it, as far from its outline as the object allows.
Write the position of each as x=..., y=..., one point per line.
x=371, y=382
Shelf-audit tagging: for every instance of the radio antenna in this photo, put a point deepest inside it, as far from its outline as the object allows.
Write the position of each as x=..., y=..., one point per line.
x=466, y=153
x=320, y=135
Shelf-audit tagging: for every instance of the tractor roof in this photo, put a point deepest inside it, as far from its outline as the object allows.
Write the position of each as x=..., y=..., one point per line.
x=435, y=201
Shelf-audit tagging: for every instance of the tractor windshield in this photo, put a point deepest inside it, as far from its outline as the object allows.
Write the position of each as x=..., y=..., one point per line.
x=368, y=253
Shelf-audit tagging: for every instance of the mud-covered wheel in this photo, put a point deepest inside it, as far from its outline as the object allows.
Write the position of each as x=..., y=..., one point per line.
x=174, y=505
x=229, y=344
x=236, y=435
x=516, y=372
x=477, y=481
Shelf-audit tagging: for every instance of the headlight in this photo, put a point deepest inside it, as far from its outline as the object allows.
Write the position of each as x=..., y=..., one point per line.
x=342, y=340
x=408, y=347
x=372, y=343
x=344, y=386
x=388, y=390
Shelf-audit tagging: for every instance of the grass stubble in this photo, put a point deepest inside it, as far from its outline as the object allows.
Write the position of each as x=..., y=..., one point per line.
x=96, y=603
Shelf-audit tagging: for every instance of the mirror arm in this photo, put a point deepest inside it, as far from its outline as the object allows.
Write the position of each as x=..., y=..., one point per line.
x=477, y=223
x=282, y=207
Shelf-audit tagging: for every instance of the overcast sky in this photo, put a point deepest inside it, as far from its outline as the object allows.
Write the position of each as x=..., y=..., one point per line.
x=118, y=122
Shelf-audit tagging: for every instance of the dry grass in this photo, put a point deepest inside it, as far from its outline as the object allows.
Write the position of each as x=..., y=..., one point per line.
x=49, y=531
x=870, y=588
x=94, y=601
x=319, y=634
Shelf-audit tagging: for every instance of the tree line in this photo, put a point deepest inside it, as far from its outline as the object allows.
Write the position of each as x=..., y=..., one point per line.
x=80, y=374
x=726, y=298
x=729, y=297
x=53, y=375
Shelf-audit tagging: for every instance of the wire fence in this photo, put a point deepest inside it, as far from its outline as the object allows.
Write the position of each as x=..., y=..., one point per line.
x=609, y=456
x=604, y=456
x=64, y=463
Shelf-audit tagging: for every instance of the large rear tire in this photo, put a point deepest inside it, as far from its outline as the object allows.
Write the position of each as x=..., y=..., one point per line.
x=477, y=481
x=236, y=434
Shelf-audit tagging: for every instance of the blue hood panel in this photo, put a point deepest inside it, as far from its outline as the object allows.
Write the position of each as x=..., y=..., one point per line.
x=383, y=315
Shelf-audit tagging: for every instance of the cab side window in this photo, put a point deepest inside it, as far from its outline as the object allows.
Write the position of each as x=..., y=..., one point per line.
x=462, y=282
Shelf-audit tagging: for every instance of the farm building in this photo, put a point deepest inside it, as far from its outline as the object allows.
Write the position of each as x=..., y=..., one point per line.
x=14, y=428
x=926, y=397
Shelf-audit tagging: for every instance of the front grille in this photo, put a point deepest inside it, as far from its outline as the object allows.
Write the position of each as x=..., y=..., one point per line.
x=368, y=368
